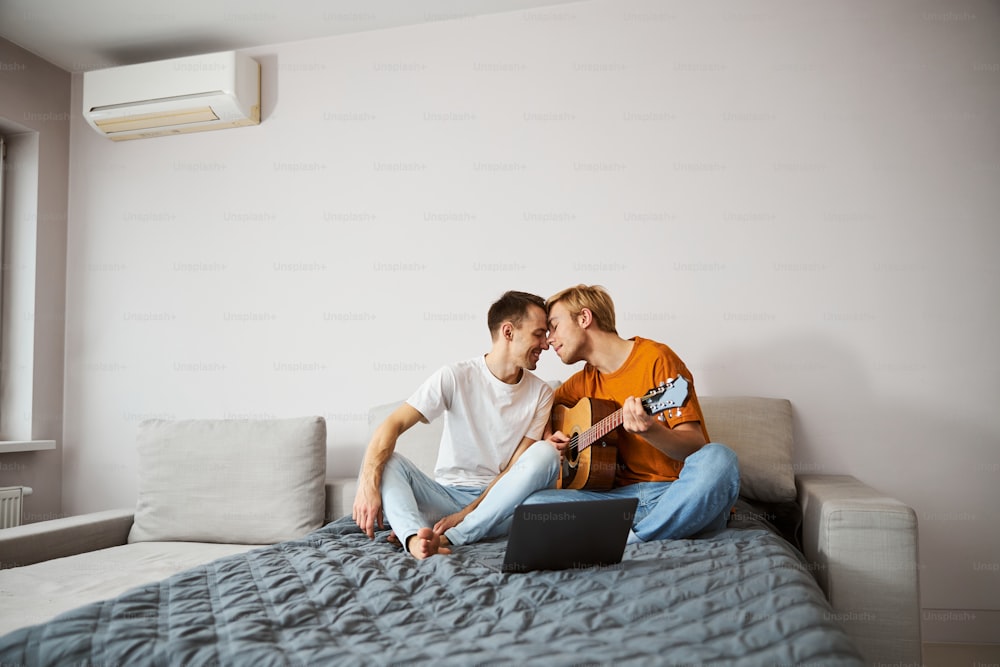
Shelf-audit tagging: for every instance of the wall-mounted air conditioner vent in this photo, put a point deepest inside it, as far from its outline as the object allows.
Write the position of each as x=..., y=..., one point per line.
x=193, y=94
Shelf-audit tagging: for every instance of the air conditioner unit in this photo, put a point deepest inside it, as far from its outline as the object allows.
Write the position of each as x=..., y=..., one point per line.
x=193, y=94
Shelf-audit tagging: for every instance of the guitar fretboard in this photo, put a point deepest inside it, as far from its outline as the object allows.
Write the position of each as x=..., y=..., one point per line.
x=581, y=441
x=670, y=394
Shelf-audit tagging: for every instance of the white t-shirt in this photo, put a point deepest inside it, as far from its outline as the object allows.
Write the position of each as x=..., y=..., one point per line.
x=484, y=419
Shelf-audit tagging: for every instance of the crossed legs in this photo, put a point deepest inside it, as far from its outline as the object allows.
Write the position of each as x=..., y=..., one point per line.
x=698, y=502
x=413, y=502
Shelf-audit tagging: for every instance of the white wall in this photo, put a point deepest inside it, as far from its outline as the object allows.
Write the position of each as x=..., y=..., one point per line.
x=799, y=198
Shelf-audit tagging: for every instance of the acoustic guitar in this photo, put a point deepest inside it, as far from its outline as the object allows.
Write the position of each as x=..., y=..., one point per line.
x=591, y=456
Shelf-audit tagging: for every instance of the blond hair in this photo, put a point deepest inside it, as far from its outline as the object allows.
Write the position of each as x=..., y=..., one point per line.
x=592, y=297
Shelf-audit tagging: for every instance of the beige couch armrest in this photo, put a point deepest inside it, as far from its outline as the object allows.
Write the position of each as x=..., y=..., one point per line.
x=863, y=549
x=45, y=540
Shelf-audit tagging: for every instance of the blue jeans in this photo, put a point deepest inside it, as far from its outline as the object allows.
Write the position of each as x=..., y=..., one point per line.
x=412, y=500
x=699, y=501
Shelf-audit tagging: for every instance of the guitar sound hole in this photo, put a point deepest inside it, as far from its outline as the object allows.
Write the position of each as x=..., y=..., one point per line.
x=573, y=455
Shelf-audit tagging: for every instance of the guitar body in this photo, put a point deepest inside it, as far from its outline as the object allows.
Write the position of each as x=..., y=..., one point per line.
x=590, y=459
x=595, y=466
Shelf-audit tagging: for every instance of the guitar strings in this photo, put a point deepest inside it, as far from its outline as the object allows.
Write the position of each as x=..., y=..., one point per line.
x=605, y=423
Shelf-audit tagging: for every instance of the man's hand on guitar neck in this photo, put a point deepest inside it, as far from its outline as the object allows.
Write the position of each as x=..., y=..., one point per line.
x=678, y=442
x=635, y=419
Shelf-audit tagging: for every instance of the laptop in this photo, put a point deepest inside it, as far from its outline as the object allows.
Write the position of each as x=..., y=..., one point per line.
x=565, y=535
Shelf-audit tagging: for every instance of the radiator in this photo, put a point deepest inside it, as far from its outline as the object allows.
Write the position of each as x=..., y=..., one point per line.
x=11, y=505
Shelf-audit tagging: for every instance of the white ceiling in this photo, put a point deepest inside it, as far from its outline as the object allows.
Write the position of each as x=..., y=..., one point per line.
x=81, y=35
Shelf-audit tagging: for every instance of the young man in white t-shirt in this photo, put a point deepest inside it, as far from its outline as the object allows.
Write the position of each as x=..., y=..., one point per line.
x=492, y=455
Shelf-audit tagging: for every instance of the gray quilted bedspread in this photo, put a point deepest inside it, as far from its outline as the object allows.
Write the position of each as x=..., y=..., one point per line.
x=742, y=597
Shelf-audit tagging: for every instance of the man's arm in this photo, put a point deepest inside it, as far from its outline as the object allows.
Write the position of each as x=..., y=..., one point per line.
x=368, y=500
x=678, y=442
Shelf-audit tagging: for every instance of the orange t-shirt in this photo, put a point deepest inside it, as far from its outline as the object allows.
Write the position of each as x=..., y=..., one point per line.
x=649, y=364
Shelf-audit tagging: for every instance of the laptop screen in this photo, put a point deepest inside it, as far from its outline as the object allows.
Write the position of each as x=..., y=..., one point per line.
x=563, y=535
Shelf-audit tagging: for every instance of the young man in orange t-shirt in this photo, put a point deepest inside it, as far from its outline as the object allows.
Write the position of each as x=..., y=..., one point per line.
x=685, y=484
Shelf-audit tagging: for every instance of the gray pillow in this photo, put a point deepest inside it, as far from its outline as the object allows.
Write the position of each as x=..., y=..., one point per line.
x=759, y=430
x=230, y=481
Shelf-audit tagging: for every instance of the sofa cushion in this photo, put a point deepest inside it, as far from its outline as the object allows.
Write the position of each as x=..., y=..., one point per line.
x=759, y=430
x=230, y=481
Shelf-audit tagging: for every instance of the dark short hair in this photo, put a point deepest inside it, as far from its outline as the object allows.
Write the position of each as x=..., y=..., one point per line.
x=511, y=307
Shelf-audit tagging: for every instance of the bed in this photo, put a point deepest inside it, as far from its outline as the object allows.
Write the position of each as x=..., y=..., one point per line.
x=799, y=580
x=741, y=597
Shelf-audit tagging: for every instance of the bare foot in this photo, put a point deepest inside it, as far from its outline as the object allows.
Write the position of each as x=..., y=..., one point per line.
x=427, y=543
x=392, y=539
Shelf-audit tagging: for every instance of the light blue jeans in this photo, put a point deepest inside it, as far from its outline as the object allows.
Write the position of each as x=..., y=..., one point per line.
x=698, y=502
x=412, y=500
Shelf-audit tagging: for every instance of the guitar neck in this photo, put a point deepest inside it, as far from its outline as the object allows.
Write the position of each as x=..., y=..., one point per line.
x=669, y=395
x=599, y=430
